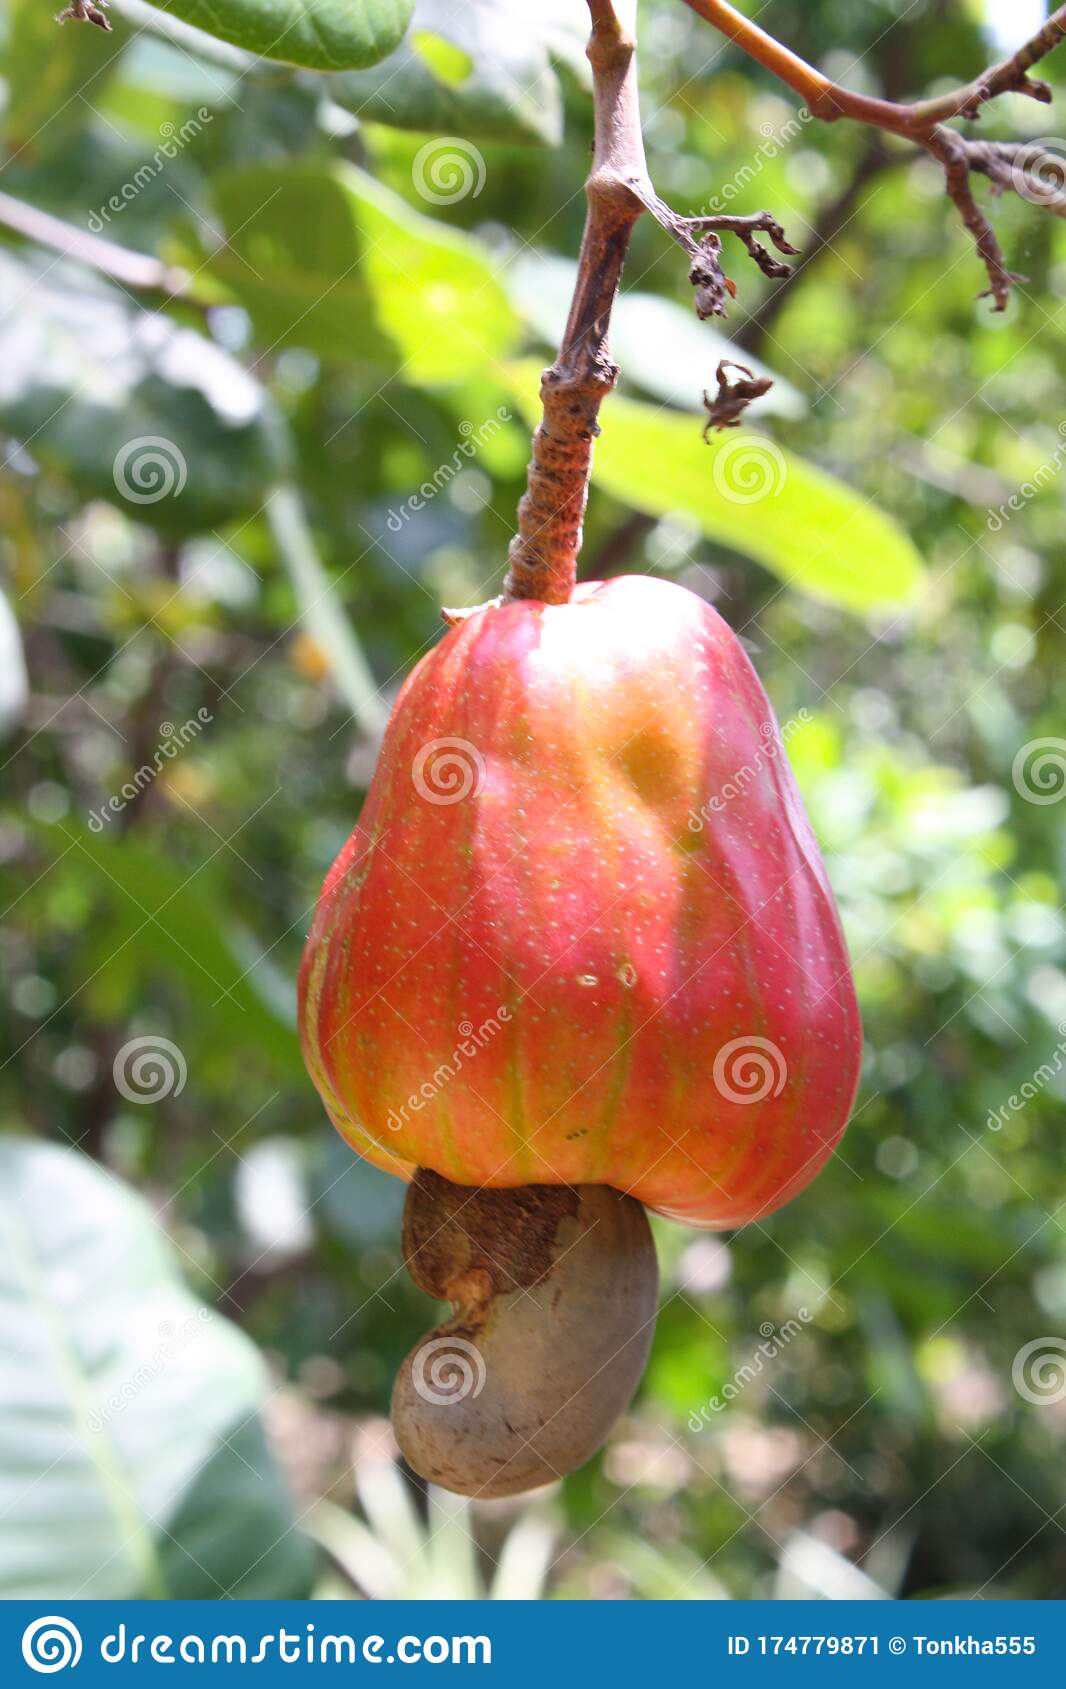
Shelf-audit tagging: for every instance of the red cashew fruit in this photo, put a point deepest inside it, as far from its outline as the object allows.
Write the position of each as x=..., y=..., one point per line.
x=584, y=858
x=582, y=936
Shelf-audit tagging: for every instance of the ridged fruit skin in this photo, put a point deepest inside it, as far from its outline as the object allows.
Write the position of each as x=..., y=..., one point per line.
x=615, y=960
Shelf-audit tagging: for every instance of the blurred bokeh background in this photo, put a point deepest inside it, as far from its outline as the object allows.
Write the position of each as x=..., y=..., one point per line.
x=241, y=473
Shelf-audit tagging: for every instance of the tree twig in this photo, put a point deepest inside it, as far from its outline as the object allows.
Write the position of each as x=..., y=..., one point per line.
x=1028, y=168
x=543, y=553
x=923, y=121
x=706, y=275
x=828, y=101
x=132, y=269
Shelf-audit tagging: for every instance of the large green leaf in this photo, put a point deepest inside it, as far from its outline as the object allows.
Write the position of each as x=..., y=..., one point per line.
x=319, y=34
x=325, y=257
x=126, y=405
x=132, y=1459
x=199, y=49
x=482, y=68
x=747, y=492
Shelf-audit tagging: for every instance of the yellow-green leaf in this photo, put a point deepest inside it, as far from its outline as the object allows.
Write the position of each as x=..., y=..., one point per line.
x=324, y=257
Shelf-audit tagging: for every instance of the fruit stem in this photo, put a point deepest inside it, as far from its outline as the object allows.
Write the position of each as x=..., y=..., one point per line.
x=543, y=553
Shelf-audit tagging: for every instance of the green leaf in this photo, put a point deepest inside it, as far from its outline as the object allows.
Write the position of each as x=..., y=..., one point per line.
x=127, y=406
x=317, y=34
x=658, y=345
x=200, y=50
x=132, y=1459
x=747, y=492
x=156, y=917
x=170, y=920
x=484, y=68
x=325, y=257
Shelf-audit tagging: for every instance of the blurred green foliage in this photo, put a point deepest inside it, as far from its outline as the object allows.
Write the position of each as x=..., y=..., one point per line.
x=366, y=276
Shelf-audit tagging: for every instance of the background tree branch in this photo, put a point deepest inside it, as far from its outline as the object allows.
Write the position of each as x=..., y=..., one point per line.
x=923, y=122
